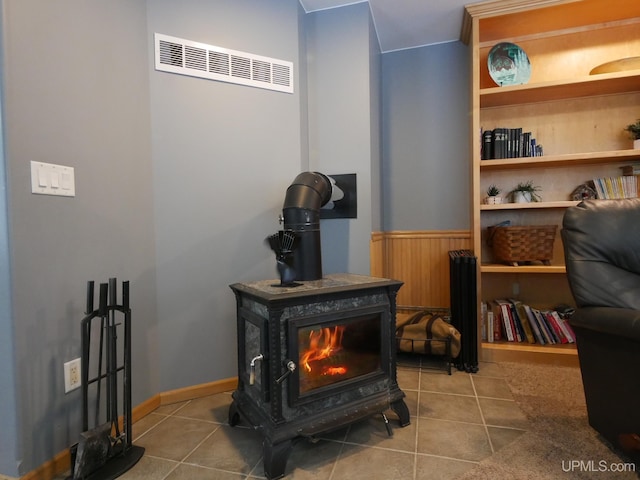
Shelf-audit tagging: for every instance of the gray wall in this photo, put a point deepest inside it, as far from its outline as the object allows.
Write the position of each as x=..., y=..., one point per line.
x=224, y=156
x=425, y=171
x=76, y=94
x=8, y=411
x=343, y=125
x=179, y=179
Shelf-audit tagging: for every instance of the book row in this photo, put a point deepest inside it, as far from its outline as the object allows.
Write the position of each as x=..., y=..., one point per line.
x=508, y=143
x=608, y=188
x=515, y=321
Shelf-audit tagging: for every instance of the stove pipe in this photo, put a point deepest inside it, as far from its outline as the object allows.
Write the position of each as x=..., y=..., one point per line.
x=301, y=211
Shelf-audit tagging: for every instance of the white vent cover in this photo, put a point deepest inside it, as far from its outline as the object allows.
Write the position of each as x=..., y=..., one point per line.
x=185, y=57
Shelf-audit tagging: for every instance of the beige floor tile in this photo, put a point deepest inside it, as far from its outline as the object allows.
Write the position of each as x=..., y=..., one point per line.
x=365, y=463
x=149, y=468
x=233, y=449
x=449, y=407
x=429, y=467
x=373, y=433
x=170, y=408
x=175, y=438
x=492, y=387
x=408, y=378
x=143, y=425
x=446, y=437
x=503, y=413
x=192, y=472
x=453, y=439
x=501, y=437
x=213, y=408
x=458, y=383
x=490, y=369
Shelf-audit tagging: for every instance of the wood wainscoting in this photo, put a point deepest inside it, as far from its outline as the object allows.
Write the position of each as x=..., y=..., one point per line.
x=420, y=259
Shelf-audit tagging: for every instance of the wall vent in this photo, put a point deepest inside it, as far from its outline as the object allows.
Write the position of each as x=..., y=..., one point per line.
x=185, y=57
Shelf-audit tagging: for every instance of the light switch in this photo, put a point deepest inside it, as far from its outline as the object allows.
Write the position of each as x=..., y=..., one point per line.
x=67, y=181
x=50, y=179
x=43, y=178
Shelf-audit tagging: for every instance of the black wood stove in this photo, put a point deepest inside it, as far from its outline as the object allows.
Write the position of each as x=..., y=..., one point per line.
x=314, y=358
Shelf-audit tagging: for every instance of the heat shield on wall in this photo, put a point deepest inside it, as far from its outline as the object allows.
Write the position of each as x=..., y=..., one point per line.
x=344, y=198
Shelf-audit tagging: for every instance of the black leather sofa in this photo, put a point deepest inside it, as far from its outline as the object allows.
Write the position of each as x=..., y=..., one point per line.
x=601, y=240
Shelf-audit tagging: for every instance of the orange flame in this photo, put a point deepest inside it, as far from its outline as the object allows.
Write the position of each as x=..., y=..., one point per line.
x=334, y=371
x=322, y=344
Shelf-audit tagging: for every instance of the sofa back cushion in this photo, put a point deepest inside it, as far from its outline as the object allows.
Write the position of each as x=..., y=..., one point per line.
x=601, y=240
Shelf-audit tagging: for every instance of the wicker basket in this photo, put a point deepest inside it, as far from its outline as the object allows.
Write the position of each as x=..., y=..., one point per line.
x=529, y=243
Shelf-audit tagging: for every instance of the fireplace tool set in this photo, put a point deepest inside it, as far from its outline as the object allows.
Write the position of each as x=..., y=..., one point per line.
x=105, y=449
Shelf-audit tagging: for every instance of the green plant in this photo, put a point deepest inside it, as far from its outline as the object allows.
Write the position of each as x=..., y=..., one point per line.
x=634, y=130
x=528, y=187
x=493, y=191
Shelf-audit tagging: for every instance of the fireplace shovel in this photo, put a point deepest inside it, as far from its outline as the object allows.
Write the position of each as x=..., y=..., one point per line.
x=93, y=451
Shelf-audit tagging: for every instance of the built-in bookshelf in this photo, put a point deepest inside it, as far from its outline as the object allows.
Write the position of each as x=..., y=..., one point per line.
x=577, y=116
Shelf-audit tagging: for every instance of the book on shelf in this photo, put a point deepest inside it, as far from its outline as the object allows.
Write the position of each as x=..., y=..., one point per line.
x=496, y=318
x=502, y=142
x=515, y=321
x=507, y=321
x=555, y=325
x=490, y=328
x=539, y=337
x=544, y=327
x=523, y=319
x=633, y=169
x=625, y=186
x=564, y=325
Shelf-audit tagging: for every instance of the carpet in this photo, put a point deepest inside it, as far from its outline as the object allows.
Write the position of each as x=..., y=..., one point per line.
x=559, y=443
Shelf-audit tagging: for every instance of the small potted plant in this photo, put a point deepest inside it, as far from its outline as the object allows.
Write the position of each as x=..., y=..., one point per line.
x=493, y=197
x=634, y=132
x=525, y=192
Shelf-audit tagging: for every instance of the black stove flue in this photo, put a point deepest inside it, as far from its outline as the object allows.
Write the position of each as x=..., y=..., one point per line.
x=314, y=358
x=308, y=192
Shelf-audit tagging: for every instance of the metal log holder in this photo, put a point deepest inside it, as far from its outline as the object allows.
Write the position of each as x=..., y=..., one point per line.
x=447, y=358
x=104, y=451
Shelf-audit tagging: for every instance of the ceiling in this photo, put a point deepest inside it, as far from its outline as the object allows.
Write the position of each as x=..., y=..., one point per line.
x=402, y=24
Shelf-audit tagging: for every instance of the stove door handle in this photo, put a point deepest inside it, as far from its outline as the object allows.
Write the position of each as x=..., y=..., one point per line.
x=252, y=368
x=291, y=367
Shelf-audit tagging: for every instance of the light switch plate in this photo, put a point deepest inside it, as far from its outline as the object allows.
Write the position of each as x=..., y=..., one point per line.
x=50, y=179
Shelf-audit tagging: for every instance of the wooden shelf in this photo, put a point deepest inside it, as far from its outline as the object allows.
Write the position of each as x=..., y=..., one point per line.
x=603, y=84
x=507, y=19
x=564, y=355
x=531, y=205
x=572, y=159
x=501, y=268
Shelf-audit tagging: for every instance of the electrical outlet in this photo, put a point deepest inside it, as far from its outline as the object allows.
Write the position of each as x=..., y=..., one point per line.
x=72, y=378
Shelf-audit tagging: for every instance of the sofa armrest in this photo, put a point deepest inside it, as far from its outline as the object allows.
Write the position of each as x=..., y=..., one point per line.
x=621, y=322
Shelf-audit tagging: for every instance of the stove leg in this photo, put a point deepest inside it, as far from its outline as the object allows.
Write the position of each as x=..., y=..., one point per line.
x=402, y=411
x=234, y=414
x=275, y=458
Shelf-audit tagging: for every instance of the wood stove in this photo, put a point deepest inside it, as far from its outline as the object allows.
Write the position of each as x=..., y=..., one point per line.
x=314, y=358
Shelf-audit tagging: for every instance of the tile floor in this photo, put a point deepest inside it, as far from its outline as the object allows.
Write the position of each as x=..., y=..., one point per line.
x=456, y=421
